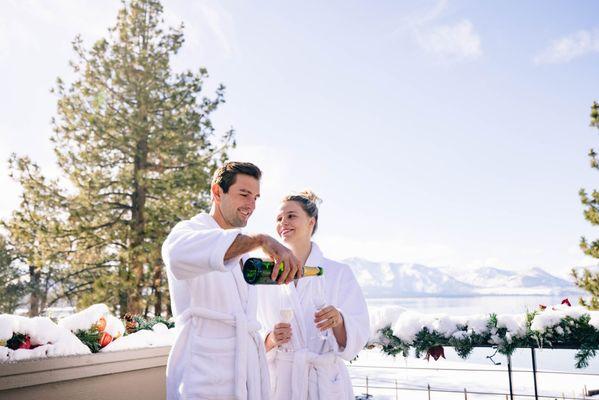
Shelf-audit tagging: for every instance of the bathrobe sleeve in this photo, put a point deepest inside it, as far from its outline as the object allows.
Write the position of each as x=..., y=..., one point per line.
x=192, y=249
x=350, y=302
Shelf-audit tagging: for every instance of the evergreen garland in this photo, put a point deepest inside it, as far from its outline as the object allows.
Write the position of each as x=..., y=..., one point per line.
x=135, y=323
x=90, y=338
x=569, y=333
x=16, y=340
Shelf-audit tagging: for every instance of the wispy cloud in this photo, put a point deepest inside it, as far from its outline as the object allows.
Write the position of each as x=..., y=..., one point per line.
x=569, y=47
x=30, y=26
x=450, y=42
x=457, y=42
x=207, y=25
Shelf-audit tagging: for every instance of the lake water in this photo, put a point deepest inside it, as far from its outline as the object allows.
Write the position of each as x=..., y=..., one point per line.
x=562, y=360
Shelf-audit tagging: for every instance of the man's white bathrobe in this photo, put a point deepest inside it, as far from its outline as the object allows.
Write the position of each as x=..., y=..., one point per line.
x=314, y=369
x=219, y=353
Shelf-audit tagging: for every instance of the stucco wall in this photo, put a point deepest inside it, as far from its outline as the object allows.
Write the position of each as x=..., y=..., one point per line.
x=130, y=374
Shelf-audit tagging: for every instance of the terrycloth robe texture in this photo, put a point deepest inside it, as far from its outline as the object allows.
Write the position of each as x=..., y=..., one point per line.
x=314, y=367
x=219, y=353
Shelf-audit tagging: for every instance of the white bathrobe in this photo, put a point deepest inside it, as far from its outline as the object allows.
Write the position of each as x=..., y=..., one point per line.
x=314, y=369
x=219, y=353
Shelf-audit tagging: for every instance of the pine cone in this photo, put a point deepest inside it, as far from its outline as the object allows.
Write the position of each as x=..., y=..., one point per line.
x=130, y=324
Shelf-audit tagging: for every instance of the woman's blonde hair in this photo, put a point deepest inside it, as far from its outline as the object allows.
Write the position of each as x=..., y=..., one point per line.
x=309, y=202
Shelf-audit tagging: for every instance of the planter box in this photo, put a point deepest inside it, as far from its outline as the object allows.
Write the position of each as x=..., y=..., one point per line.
x=127, y=375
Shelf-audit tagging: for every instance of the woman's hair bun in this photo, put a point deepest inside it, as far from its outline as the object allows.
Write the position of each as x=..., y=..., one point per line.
x=310, y=195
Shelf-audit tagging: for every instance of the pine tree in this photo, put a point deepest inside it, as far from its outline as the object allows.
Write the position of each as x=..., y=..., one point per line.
x=12, y=289
x=36, y=238
x=589, y=280
x=137, y=145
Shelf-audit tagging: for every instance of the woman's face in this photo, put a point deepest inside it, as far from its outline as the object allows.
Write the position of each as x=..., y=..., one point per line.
x=293, y=223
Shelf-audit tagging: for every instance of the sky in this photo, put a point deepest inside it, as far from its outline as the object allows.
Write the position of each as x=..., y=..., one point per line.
x=446, y=133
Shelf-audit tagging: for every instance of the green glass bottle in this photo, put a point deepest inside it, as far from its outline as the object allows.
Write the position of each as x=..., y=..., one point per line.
x=257, y=271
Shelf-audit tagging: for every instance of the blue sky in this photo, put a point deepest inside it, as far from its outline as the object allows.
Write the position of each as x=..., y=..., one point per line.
x=449, y=133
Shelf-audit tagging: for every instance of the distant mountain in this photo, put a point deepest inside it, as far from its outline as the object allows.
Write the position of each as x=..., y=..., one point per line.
x=414, y=280
x=393, y=279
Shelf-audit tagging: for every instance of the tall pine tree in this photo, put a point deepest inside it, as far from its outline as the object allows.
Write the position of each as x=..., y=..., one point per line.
x=137, y=145
x=12, y=288
x=36, y=239
x=586, y=279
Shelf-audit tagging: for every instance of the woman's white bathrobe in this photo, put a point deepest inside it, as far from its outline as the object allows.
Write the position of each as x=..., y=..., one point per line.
x=315, y=369
x=219, y=353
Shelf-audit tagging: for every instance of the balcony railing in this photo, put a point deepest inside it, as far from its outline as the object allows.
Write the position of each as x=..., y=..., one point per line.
x=364, y=386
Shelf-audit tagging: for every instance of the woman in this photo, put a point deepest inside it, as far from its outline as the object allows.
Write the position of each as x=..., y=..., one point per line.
x=329, y=320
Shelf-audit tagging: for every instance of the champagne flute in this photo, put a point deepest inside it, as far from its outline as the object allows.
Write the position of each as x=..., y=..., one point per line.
x=319, y=303
x=286, y=316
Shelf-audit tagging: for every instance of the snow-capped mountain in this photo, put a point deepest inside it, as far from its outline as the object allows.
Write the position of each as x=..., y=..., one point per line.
x=410, y=280
x=394, y=279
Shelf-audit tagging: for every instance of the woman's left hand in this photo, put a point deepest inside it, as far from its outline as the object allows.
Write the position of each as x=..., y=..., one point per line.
x=327, y=318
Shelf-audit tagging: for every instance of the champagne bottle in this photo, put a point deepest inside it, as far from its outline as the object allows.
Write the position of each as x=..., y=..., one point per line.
x=258, y=272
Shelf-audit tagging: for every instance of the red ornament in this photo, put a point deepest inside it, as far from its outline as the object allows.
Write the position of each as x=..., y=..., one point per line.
x=566, y=302
x=105, y=339
x=436, y=352
x=26, y=344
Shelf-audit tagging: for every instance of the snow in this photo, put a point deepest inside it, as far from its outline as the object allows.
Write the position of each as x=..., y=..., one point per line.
x=114, y=326
x=514, y=323
x=51, y=339
x=552, y=316
x=406, y=324
x=89, y=317
x=83, y=320
x=594, y=322
x=384, y=279
x=381, y=317
x=160, y=335
x=8, y=325
x=414, y=375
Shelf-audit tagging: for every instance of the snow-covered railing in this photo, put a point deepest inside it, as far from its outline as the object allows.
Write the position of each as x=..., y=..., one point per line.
x=397, y=330
x=92, y=330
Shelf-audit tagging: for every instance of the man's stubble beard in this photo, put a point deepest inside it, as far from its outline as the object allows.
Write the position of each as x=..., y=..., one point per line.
x=234, y=220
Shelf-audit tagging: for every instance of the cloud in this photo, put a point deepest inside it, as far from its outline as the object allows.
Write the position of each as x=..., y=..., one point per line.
x=28, y=26
x=569, y=47
x=457, y=42
x=209, y=27
x=450, y=42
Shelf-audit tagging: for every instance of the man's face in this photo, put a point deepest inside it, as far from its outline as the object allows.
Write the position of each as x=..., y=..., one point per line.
x=239, y=202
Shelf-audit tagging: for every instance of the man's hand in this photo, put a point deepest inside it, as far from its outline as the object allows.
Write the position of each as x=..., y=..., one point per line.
x=281, y=254
x=327, y=318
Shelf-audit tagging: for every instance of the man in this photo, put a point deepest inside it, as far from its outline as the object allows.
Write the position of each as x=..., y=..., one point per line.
x=219, y=354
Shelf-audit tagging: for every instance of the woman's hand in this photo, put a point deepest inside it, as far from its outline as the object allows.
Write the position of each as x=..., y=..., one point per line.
x=327, y=318
x=331, y=318
x=280, y=335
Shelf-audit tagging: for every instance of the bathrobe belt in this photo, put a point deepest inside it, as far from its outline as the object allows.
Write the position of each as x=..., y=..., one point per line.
x=243, y=326
x=305, y=373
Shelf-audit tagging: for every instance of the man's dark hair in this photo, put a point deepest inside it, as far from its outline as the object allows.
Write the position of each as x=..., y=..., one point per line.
x=225, y=176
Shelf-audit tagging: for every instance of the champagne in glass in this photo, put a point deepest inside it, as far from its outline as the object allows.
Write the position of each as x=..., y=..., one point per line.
x=286, y=316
